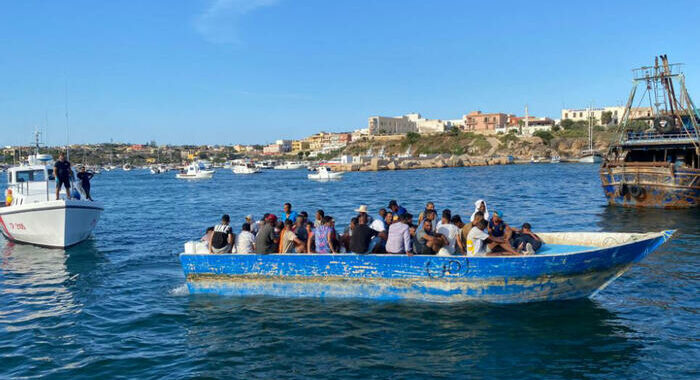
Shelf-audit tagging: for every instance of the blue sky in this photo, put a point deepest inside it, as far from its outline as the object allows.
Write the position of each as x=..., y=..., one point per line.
x=251, y=71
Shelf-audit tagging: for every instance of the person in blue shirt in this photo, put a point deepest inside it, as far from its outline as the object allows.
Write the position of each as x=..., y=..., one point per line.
x=396, y=208
x=288, y=214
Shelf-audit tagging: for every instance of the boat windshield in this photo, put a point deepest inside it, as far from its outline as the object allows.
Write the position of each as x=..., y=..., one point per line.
x=30, y=176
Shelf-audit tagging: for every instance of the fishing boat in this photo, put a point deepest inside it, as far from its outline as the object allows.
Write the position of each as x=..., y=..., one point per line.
x=324, y=173
x=570, y=265
x=32, y=215
x=195, y=171
x=655, y=160
x=245, y=168
x=289, y=165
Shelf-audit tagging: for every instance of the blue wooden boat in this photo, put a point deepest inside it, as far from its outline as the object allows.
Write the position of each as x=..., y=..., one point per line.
x=570, y=265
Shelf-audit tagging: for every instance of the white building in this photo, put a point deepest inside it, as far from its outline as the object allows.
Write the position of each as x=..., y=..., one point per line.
x=537, y=124
x=359, y=133
x=581, y=114
x=412, y=122
x=382, y=125
x=286, y=145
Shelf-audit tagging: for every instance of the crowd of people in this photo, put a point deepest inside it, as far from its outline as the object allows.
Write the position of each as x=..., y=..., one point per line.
x=392, y=231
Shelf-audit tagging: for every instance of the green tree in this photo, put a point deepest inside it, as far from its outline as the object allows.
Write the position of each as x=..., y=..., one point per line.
x=300, y=154
x=412, y=137
x=544, y=135
x=567, y=124
x=606, y=117
x=637, y=125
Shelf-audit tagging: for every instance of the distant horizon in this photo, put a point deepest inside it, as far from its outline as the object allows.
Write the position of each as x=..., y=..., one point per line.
x=249, y=72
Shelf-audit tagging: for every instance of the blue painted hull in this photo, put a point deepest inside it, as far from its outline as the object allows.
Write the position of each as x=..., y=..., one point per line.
x=430, y=278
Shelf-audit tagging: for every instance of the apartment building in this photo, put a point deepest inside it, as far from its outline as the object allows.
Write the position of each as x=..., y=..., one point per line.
x=476, y=121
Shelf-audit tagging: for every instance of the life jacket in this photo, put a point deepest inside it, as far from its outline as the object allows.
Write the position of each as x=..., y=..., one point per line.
x=219, y=239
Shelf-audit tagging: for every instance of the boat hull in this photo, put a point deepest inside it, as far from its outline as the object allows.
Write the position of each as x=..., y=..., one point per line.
x=201, y=175
x=590, y=159
x=651, y=185
x=53, y=224
x=429, y=278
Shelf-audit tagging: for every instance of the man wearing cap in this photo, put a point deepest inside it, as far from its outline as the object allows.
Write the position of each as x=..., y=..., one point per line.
x=266, y=240
x=395, y=208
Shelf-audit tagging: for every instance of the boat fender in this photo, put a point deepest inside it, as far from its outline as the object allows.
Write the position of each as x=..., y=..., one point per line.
x=8, y=197
x=636, y=191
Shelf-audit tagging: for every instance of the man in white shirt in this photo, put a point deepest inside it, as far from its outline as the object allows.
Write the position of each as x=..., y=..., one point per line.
x=451, y=232
x=245, y=241
x=480, y=243
x=476, y=240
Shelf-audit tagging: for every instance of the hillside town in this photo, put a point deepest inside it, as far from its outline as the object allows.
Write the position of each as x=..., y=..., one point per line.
x=483, y=135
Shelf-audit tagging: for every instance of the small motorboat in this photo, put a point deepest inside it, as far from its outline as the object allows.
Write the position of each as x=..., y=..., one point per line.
x=289, y=165
x=127, y=167
x=195, y=171
x=267, y=164
x=569, y=265
x=324, y=173
x=159, y=169
x=32, y=215
x=555, y=159
x=247, y=168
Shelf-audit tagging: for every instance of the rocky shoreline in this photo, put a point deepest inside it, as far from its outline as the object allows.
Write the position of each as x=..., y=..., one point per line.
x=434, y=162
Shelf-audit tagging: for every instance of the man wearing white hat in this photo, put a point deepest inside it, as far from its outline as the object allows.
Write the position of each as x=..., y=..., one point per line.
x=362, y=210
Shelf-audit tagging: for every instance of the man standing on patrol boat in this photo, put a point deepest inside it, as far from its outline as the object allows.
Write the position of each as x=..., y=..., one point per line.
x=62, y=172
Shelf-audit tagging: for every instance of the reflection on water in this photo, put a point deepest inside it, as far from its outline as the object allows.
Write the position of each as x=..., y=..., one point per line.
x=406, y=339
x=34, y=282
x=620, y=219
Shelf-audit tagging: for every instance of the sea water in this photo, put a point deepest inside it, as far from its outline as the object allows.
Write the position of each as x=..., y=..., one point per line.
x=116, y=305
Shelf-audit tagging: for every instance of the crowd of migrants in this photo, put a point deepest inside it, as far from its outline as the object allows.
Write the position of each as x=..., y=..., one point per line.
x=393, y=232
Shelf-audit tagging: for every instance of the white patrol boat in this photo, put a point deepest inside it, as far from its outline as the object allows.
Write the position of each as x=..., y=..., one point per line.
x=30, y=213
x=195, y=170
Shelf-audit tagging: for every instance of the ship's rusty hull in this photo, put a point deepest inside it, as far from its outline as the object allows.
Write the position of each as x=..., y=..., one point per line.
x=654, y=185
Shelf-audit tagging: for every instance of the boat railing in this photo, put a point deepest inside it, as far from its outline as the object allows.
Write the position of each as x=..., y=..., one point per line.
x=30, y=190
x=619, y=164
x=654, y=137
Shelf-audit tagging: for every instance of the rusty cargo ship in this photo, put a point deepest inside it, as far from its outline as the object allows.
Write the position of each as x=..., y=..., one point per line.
x=655, y=160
